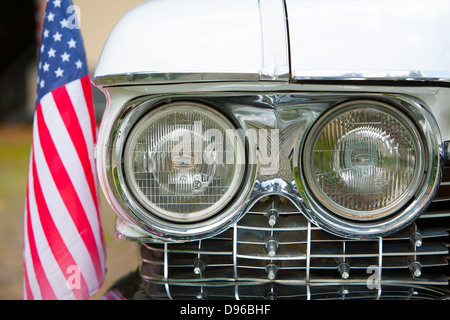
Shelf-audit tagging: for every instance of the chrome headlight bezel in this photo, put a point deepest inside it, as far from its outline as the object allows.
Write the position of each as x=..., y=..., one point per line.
x=178, y=109
x=373, y=107
x=131, y=209
x=412, y=205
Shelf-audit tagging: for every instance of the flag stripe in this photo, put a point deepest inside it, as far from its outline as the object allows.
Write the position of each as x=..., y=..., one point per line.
x=62, y=219
x=52, y=234
x=68, y=192
x=36, y=239
x=45, y=287
x=38, y=272
x=69, y=157
x=70, y=119
x=87, y=91
x=27, y=261
x=57, y=246
x=56, y=276
x=85, y=116
x=27, y=290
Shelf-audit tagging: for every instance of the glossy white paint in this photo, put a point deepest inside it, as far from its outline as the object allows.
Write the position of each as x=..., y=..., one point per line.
x=179, y=36
x=369, y=38
x=331, y=39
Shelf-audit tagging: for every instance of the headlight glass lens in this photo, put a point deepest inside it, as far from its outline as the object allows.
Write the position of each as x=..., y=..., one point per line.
x=363, y=162
x=179, y=163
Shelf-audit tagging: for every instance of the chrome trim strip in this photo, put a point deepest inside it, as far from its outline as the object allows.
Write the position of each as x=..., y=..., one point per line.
x=380, y=265
x=269, y=72
x=435, y=214
x=308, y=261
x=235, y=264
x=166, y=271
x=362, y=75
x=165, y=78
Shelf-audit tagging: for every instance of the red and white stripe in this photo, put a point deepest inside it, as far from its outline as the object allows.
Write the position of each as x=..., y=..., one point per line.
x=64, y=253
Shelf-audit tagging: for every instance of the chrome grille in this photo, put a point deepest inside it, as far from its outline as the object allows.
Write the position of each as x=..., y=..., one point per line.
x=274, y=252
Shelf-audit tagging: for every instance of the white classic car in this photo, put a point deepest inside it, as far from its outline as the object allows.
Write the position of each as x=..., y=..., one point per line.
x=280, y=149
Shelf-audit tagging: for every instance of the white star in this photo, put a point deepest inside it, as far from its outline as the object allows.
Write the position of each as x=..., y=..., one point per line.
x=40, y=66
x=72, y=43
x=59, y=72
x=42, y=48
x=51, y=53
x=64, y=23
x=46, y=32
x=42, y=83
x=57, y=36
x=51, y=16
x=46, y=67
x=57, y=3
x=79, y=64
x=65, y=56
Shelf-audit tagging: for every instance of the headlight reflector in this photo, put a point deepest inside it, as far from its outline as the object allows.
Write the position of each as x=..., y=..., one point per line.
x=363, y=161
x=178, y=164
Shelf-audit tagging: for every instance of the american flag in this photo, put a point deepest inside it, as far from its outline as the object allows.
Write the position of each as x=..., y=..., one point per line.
x=64, y=254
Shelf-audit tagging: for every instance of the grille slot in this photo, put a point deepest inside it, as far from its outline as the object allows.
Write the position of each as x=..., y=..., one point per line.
x=304, y=261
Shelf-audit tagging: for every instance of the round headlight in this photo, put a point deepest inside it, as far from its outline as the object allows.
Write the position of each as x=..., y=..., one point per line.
x=178, y=162
x=363, y=161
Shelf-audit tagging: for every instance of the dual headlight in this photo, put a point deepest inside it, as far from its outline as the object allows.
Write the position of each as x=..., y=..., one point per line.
x=364, y=161
x=178, y=165
x=368, y=168
x=365, y=168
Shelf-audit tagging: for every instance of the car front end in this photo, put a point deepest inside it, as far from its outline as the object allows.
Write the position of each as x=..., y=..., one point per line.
x=280, y=149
